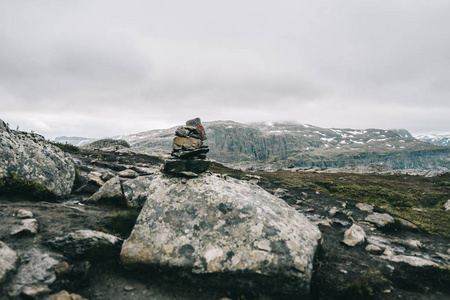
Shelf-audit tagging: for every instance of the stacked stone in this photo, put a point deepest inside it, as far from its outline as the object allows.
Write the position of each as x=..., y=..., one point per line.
x=189, y=154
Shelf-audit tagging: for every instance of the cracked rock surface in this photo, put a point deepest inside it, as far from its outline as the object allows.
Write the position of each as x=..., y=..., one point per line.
x=210, y=225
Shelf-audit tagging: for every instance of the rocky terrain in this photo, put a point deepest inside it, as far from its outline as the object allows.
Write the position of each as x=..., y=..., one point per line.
x=127, y=231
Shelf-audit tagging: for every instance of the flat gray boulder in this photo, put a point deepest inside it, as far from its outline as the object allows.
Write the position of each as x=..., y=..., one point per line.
x=227, y=232
x=381, y=220
x=88, y=244
x=31, y=157
x=26, y=226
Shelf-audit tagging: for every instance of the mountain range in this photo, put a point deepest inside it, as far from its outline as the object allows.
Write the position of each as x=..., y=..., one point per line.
x=282, y=145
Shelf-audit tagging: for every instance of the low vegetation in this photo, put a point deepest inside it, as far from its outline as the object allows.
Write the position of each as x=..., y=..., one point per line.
x=366, y=286
x=66, y=147
x=15, y=187
x=417, y=199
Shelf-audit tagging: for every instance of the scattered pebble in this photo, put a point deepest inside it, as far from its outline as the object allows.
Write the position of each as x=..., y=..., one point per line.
x=323, y=223
x=374, y=249
x=24, y=214
x=365, y=207
x=63, y=268
x=354, y=235
x=26, y=226
x=333, y=211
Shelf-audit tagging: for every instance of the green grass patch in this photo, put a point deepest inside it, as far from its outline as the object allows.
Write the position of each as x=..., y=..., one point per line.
x=13, y=186
x=397, y=194
x=66, y=147
x=433, y=220
x=367, y=286
x=221, y=169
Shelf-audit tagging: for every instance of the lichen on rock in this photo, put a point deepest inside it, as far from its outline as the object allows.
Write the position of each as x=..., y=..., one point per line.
x=31, y=158
x=209, y=225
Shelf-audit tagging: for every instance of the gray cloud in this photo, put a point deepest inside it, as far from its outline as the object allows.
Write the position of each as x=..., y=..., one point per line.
x=99, y=68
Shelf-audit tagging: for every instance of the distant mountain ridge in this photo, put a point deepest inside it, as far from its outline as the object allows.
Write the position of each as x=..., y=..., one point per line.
x=302, y=145
x=74, y=140
x=440, y=139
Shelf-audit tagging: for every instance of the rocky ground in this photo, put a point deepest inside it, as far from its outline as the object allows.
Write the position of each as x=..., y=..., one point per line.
x=395, y=259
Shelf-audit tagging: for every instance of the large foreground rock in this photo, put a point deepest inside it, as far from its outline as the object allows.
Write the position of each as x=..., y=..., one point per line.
x=32, y=158
x=228, y=232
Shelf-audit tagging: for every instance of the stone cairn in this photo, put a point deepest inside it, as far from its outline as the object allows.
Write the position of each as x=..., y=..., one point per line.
x=189, y=154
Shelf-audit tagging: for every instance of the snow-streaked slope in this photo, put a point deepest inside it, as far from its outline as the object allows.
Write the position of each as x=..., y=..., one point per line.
x=304, y=145
x=440, y=139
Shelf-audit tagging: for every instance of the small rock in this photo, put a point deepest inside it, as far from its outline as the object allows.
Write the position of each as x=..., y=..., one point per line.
x=280, y=193
x=35, y=292
x=188, y=174
x=106, y=176
x=128, y=173
x=323, y=223
x=348, y=212
x=64, y=295
x=63, y=268
x=175, y=166
x=354, y=235
x=444, y=256
x=407, y=224
x=129, y=288
x=388, y=252
x=419, y=210
x=8, y=261
x=111, y=191
x=374, y=249
x=381, y=220
x=414, y=244
x=182, y=131
x=412, y=261
x=95, y=177
x=24, y=214
x=333, y=211
x=447, y=205
x=365, y=207
x=186, y=143
x=27, y=226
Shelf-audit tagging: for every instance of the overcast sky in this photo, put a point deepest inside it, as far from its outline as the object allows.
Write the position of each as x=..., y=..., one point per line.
x=101, y=68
